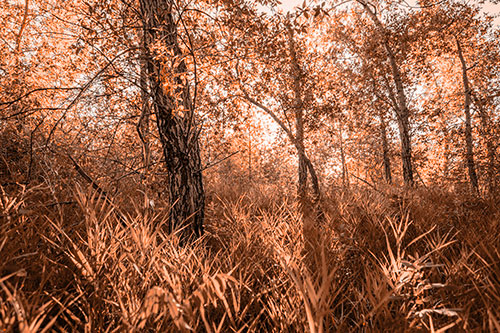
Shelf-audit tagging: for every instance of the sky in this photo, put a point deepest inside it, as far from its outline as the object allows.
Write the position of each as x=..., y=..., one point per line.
x=489, y=8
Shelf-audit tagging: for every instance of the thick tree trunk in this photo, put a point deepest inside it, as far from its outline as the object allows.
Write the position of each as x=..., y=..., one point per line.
x=469, y=153
x=385, y=149
x=176, y=121
x=401, y=105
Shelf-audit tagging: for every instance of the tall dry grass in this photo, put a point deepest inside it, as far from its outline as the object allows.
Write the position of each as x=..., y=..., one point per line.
x=426, y=260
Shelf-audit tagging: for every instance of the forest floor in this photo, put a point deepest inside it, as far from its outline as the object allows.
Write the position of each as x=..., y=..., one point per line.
x=420, y=260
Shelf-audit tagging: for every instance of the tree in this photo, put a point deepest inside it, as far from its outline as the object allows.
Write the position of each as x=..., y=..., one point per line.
x=359, y=74
x=175, y=115
x=454, y=30
x=469, y=155
x=399, y=98
x=282, y=53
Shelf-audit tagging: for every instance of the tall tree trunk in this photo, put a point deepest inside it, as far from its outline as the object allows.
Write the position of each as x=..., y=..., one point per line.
x=305, y=165
x=401, y=105
x=176, y=121
x=469, y=153
x=385, y=148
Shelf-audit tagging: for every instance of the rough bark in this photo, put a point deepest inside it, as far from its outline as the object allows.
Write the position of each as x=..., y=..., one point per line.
x=176, y=121
x=401, y=105
x=469, y=153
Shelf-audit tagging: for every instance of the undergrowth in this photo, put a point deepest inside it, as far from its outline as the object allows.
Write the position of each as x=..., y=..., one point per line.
x=423, y=260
